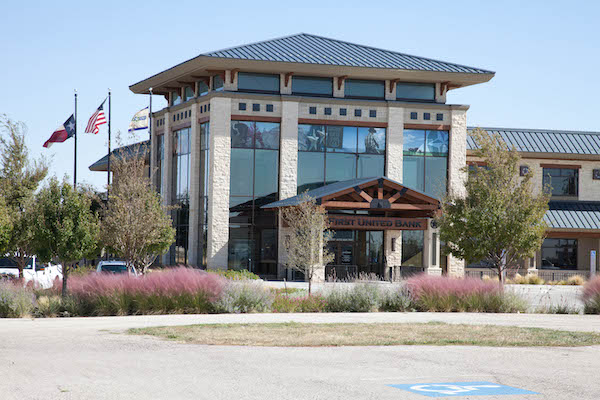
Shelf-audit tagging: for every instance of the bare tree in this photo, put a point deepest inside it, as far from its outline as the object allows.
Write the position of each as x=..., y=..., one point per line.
x=136, y=226
x=309, y=233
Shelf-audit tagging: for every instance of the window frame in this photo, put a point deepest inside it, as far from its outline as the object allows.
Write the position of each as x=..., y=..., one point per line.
x=241, y=74
x=415, y=100
x=316, y=78
x=382, y=82
x=425, y=157
x=547, y=179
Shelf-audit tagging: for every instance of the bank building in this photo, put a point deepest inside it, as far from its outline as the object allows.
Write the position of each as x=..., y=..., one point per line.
x=366, y=132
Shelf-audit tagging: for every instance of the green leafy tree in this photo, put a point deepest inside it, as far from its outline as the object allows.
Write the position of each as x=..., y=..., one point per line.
x=136, y=226
x=307, y=238
x=65, y=228
x=5, y=227
x=500, y=220
x=20, y=177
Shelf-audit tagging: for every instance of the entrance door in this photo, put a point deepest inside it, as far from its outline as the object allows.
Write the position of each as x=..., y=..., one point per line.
x=356, y=252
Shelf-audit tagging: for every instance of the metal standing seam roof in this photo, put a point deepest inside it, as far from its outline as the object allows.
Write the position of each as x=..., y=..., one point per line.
x=311, y=49
x=120, y=151
x=545, y=141
x=573, y=215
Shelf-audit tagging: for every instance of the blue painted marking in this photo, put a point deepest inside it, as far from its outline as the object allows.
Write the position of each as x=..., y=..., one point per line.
x=454, y=389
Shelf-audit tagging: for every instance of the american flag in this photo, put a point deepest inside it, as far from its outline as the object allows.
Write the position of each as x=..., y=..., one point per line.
x=96, y=120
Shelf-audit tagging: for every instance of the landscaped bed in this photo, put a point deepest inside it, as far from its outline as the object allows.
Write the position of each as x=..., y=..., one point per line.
x=372, y=334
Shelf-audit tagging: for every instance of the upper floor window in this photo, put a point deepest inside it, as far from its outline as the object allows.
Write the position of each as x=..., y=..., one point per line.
x=202, y=88
x=188, y=93
x=415, y=91
x=364, y=89
x=559, y=253
x=175, y=98
x=313, y=86
x=217, y=82
x=425, y=162
x=562, y=181
x=258, y=83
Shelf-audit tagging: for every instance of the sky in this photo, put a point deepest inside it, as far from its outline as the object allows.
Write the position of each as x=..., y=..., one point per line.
x=545, y=55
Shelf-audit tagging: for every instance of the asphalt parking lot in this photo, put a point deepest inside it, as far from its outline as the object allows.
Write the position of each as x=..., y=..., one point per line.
x=91, y=358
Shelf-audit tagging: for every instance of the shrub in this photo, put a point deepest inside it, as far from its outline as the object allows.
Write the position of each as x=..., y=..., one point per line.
x=529, y=279
x=289, y=304
x=361, y=297
x=15, y=300
x=577, y=280
x=244, y=297
x=176, y=290
x=431, y=293
x=395, y=300
x=591, y=296
x=235, y=274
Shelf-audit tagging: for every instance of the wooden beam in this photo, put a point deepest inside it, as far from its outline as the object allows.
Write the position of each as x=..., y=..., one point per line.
x=363, y=194
x=393, y=84
x=443, y=87
x=287, y=78
x=566, y=166
x=397, y=207
x=340, y=80
x=397, y=195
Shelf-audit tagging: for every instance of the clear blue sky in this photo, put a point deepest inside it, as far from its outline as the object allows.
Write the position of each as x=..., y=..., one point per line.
x=545, y=54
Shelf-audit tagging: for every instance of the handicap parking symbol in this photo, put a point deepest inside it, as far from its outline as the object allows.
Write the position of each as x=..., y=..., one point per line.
x=454, y=389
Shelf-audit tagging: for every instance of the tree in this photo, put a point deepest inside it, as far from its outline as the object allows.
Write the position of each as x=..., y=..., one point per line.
x=306, y=244
x=65, y=227
x=5, y=227
x=136, y=226
x=19, y=179
x=500, y=220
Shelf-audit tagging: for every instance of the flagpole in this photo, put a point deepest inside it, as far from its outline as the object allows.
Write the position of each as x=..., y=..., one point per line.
x=150, y=133
x=75, y=152
x=109, y=118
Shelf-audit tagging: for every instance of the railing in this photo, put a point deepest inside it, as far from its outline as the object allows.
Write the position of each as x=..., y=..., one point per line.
x=558, y=275
x=404, y=272
x=480, y=274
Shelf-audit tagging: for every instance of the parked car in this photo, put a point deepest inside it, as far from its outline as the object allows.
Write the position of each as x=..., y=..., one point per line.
x=115, y=267
x=42, y=275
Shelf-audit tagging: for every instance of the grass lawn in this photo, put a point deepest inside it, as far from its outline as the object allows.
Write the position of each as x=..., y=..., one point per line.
x=384, y=334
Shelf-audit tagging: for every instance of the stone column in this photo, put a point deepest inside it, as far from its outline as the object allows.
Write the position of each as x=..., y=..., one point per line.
x=431, y=250
x=194, y=188
x=338, y=92
x=390, y=94
x=395, y=143
x=218, y=186
x=167, y=170
x=288, y=169
x=392, y=247
x=532, y=265
x=283, y=89
x=457, y=160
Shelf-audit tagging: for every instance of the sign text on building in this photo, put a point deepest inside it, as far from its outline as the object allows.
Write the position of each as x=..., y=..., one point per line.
x=366, y=222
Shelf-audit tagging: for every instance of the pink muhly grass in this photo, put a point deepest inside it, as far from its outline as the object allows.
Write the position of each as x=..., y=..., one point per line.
x=591, y=289
x=426, y=285
x=171, y=282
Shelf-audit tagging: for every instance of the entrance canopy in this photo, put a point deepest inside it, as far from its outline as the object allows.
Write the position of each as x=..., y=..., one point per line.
x=377, y=194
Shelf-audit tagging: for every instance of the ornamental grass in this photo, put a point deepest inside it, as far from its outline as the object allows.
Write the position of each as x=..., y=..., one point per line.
x=444, y=294
x=591, y=296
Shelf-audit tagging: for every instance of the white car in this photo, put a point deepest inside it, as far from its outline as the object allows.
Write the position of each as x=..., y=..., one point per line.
x=115, y=267
x=42, y=275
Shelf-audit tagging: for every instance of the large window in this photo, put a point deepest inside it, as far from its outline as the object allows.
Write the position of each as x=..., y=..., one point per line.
x=328, y=154
x=415, y=91
x=203, y=193
x=254, y=176
x=258, y=83
x=312, y=86
x=188, y=93
x=425, y=165
x=363, y=89
x=175, y=98
x=202, y=88
x=563, y=181
x=160, y=157
x=559, y=254
x=181, y=195
x=412, y=248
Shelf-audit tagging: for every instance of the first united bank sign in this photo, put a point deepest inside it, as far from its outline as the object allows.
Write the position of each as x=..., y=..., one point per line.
x=365, y=222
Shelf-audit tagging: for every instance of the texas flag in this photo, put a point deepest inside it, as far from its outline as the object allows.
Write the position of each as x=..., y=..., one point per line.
x=64, y=132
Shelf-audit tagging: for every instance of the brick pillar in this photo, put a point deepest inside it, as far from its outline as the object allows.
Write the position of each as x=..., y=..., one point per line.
x=218, y=186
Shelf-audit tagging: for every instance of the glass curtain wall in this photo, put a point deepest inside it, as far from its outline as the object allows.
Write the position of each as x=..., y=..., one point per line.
x=181, y=195
x=328, y=154
x=254, y=182
x=203, y=194
x=425, y=165
x=160, y=156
